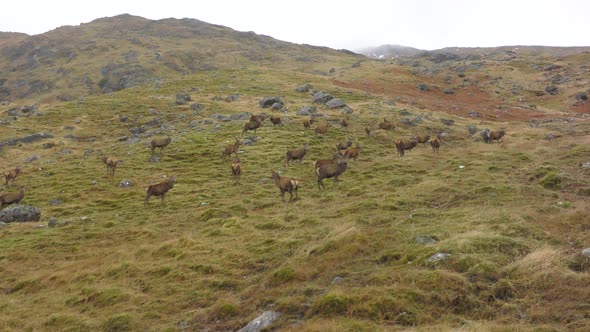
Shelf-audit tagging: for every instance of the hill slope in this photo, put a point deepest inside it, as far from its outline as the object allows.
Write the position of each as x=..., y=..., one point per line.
x=115, y=53
x=477, y=237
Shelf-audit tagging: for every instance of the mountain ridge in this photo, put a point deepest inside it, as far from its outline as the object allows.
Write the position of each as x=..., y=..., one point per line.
x=74, y=61
x=393, y=50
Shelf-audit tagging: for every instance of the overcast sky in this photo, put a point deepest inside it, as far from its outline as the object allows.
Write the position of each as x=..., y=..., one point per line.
x=350, y=24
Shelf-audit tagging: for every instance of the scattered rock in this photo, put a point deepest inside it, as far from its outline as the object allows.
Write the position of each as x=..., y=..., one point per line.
x=423, y=87
x=55, y=202
x=448, y=122
x=407, y=122
x=586, y=252
x=586, y=165
x=155, y=158
x=448, y=91
x=425, y=239
x=321, y=97
x=347, y=110
x=552, y=90
x=133, y=140
x=48, y=145
x=337, y=280
x=31, y=159
x=474, y=114
x=306, y=110
x=123, y=118
x=551, y=136
x=126, y=183
x=269, y=102
x=26, y=139
x=52, y=222
x=582, y=96
x=221, y=117
x=551, y=67
x=153, y=122
x=240, y=116
x=440, y=256
x=277, y=106
x=335, y=103
x=23, y=111
x=20, y=213
x=246, y=141
x=232, y=98
x=304, y=88
x=182, y=98
x=196, y=107
x=261, y=322
x=471, y=129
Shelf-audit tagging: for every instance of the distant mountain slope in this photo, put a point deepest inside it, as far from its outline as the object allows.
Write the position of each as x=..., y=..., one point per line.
x=10, y=38
x=114, y=53
x=394, y=51
x=390, y=51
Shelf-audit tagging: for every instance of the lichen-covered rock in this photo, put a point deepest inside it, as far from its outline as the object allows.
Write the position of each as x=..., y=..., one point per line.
x=307, y=110
x=304, y=88
x=182, y=98
x=261, y=322
x=335, y=103
x=270, y=101
x=20, y=213
x=321, y=97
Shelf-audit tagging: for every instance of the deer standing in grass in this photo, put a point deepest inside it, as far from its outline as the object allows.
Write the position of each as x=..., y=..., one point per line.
x=160, y=143
x=286, y=185
x=236, y=170
x=232, y=148
x=331, y=171
x=11, y=174
x=111, y=163
x=159, y=189
x=12, y=198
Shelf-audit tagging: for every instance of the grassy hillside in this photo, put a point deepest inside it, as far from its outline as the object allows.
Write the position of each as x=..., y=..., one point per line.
x=115, y=53
x=514, y=216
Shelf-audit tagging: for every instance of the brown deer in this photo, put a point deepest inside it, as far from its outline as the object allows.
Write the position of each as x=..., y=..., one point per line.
x=386, y=125
x=276, y=120
x=11, y=174
x=232, y=148
x=12, y=198
x=236, y=170
x=160, y=143
x=296, y=154
x=286, y=185
x=331, y=171
x=252, y=125
x=111, y=163
x=159, y=189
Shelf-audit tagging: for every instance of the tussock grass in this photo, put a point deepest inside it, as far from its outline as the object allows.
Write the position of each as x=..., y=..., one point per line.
x=340, y=259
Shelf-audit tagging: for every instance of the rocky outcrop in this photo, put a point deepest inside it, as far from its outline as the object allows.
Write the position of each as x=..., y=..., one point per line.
x=20, y=213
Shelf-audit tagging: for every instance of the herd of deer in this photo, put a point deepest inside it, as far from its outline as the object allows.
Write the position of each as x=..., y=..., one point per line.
x=323, y=169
